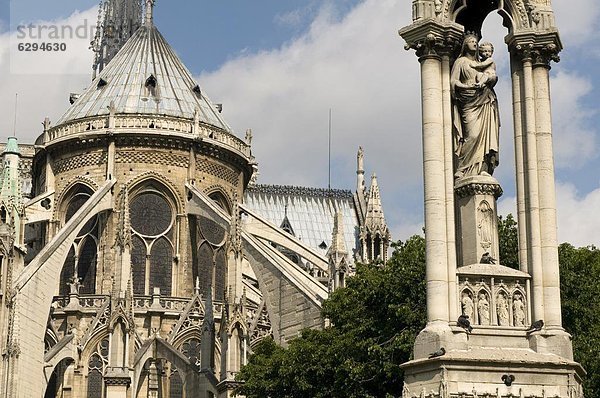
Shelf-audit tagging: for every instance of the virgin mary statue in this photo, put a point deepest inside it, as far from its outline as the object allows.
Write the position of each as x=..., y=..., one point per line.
x=476, y=121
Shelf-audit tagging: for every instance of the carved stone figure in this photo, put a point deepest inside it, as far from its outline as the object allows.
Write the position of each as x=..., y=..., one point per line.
x=502, y=310
x=483, y=309
x=485, y=225
x=467, y=305
x=476, y=122
x=519, y=310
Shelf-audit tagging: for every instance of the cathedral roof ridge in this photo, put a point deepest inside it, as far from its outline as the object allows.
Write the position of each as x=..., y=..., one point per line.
x=300, y=191
x=146, y=77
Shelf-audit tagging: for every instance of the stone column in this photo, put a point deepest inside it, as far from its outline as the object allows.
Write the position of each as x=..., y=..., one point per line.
x=453, y=301
x=517, y=75
x=435, y=189
x=549, y=244
x=534, y=250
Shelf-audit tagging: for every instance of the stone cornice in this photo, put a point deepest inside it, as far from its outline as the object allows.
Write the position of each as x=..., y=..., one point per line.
x=432, y=38
x=539, y=48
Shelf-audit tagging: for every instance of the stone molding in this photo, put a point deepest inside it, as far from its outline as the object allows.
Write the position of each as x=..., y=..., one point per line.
x=479, y=188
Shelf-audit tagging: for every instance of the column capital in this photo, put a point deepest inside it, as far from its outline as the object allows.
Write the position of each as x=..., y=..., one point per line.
x=539, y=48
x=432, y=38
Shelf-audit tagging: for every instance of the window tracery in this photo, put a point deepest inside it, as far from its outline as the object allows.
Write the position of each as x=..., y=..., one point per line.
x=96, y=365
x=82, y=257
x=152, y=218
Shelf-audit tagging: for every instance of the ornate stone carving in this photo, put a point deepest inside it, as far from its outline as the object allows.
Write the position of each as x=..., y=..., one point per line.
x=217, y=170
x=467, y=306
x=483, y=309
x=476, y=121
x=486, y=223
x=479, y=189
x=502, y=309
x=79, y=161
x=518, y=310
x=301, y=191
x=152, y=157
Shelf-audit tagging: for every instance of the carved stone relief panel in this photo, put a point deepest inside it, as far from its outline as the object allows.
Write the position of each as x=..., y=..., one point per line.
x=491, y=301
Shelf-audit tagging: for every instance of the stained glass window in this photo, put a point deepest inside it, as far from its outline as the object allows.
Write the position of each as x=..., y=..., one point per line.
x=205, y=267
x=95, y=366
x=191, y=349
x=86, y=269
x=75, y=204
x=175, y=384
x=161, y=264
x=67, y=273
x=211, y=231
x=220, y=275
x=138, y=264
x=151, y=214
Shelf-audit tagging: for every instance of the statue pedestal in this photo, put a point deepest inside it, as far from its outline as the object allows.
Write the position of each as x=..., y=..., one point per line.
x=477, y=229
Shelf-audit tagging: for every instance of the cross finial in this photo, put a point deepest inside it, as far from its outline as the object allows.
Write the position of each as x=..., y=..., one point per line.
x=149, y=11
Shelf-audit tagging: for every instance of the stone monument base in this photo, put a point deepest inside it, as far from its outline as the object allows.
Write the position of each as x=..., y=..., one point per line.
x=493, y=373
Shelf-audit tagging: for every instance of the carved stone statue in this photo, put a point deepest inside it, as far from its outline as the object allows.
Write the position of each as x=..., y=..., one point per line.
x=519, y=310
x=476, y=122
x=483, y=309
x=502, y=309
x=467, y=305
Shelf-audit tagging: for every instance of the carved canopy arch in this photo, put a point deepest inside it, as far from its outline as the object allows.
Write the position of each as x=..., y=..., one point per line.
x=471, y=14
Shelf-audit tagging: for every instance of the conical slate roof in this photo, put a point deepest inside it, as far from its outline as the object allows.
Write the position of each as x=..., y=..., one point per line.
x=145, y=77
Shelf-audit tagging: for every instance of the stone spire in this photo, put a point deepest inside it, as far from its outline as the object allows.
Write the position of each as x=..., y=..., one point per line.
x=11, y=209
x=375, y=220
x=149, y=14
x=338, y=244
x=337, y=254
x=117, y=22
x=375, y=235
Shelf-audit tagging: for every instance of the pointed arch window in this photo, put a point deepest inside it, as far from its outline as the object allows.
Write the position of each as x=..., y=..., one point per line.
x=82, y=258
x=96, y=365
x=175, y=384
x=152, y=218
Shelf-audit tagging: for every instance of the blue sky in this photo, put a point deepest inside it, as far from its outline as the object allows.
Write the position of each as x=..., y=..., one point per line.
x=279, y=65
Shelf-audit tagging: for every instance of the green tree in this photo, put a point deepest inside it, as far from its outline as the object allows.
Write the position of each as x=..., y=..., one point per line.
x=375, y=319
x=508, y=241
x=580, y=285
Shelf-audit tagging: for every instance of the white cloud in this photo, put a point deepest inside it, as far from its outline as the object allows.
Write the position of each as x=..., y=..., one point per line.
x=575, y=142
x=577, y=218
x=577, y=20
x=357, y=67
x=578, y=221
x=43, y=80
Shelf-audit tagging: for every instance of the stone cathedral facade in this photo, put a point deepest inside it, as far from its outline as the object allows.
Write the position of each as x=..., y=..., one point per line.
x=138, y=257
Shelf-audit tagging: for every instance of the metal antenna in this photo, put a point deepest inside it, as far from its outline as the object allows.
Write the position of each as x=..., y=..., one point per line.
x=329, y=160
x=16, y=108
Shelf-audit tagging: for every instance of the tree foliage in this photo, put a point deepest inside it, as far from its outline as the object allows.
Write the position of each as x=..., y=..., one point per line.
x=375, y=320
x=580, y=287
x=377, y=316
x=508, y=241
